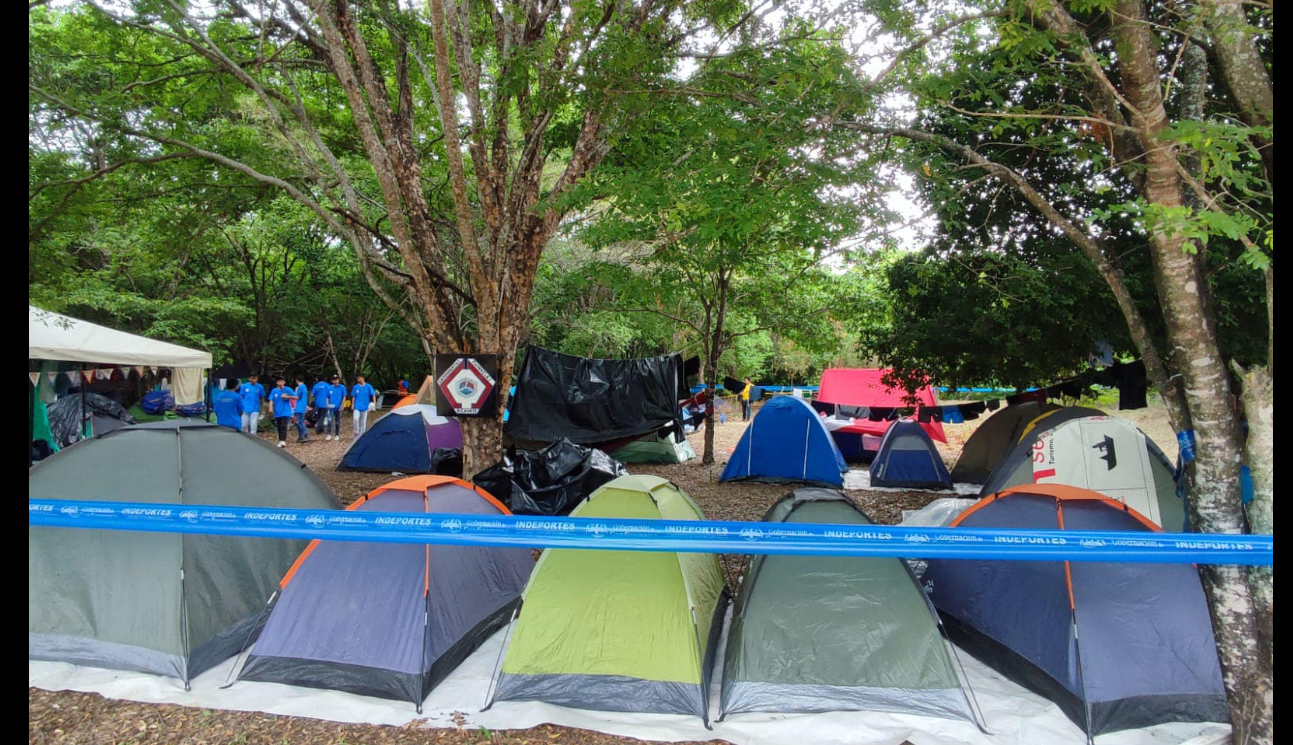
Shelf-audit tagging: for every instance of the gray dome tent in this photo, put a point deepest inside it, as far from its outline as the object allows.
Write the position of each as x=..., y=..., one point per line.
x=836, y=633
x=1104, y=454
x=164, y=603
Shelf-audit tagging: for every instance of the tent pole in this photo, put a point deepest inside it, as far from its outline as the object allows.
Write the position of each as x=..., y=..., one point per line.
x=31, y=416
x=206, y=395
x=83, y=417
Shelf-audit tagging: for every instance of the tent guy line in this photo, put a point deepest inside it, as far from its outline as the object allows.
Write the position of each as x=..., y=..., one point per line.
x=657, y=535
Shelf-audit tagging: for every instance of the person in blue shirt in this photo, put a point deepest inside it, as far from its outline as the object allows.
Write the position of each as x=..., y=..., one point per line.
x=252, y=393
x=283, y=399
x=363, y=395
x=298, y=409
x=319, y=397
x=227, y=405
x=336, y=397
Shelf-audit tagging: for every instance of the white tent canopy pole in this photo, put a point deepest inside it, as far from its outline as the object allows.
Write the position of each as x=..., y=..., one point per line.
x=51, y=336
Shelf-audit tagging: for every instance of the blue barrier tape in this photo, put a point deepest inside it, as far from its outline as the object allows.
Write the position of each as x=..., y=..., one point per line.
x=657, y=535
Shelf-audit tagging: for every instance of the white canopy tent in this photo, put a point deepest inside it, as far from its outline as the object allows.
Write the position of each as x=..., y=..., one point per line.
x=58, y=338
x=52, y=336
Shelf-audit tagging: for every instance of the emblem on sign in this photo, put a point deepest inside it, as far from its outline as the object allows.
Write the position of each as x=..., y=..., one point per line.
x=465, y=385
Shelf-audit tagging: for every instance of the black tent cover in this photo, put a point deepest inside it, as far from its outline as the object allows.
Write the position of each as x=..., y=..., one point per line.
x=591, y=401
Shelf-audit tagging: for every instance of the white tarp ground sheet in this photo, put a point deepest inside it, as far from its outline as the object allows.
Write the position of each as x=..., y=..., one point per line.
x=938, y=514
x=1013, y=715
x=860, y=478
x=51, y=336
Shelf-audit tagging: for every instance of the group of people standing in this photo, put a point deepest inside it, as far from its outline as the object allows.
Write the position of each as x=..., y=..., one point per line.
x=239, y=406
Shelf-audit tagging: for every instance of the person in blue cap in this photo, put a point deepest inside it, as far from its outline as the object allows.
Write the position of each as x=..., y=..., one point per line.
x=319, y=396
x=253, y=394
x=227, y=406
x=362, y=395
x=336, y=397
x=298, y=409
x=283, y=399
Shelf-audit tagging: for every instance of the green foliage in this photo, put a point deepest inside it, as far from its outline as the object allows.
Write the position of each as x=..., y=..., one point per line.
x=725, y=207
x=986, y=301
x=987, y=318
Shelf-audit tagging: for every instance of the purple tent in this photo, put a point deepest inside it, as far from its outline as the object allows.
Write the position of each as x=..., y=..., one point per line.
x=390, y=620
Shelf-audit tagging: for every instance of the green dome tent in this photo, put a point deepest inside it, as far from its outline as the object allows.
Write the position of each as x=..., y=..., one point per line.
x=619, y=630
x=836, y=633
x=655, y=448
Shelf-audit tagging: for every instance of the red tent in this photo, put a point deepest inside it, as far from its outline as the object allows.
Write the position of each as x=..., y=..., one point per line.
x=862, y=386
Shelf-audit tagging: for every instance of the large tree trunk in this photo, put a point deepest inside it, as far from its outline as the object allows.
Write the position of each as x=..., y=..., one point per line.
x=1258, y=397
x=1197, y=357
x=482, y=443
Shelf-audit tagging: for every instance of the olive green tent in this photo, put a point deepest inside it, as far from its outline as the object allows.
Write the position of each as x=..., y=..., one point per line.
x=836, y=633
x=655, y=448
x=619, y=630
x=993, y=439
x=996, y=437
x=165, y=603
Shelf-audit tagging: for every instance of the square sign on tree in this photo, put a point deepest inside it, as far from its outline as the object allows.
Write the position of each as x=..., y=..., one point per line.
x=465, y=385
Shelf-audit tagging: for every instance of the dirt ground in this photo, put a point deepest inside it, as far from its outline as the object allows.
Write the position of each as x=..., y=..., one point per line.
x=70, y=718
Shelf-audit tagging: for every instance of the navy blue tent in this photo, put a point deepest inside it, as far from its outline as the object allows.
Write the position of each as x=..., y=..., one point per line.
x=403, y=441
x=851, y=446
x=1145, y=653
x=908, y=459
x=787, y=442
x=390, y=620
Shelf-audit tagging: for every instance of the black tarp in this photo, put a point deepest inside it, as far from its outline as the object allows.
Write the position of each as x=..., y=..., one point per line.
x=591, y=401
x=550, y=481
x=65, y=417
x=447, y=462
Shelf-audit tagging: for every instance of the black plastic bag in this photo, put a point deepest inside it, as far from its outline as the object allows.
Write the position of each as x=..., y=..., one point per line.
x=447, y=462
x=65, y=416
x=551, y=481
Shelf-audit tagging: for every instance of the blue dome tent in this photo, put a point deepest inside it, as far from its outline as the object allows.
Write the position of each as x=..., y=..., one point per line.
x=908, y=459
x=787, y=442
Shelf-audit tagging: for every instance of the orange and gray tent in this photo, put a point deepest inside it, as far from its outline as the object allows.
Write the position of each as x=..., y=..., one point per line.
x=1116, y=645
x=425, y=395
x=164, y=603
x=836, y=633
x=1104, y=454
x=390, y=620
